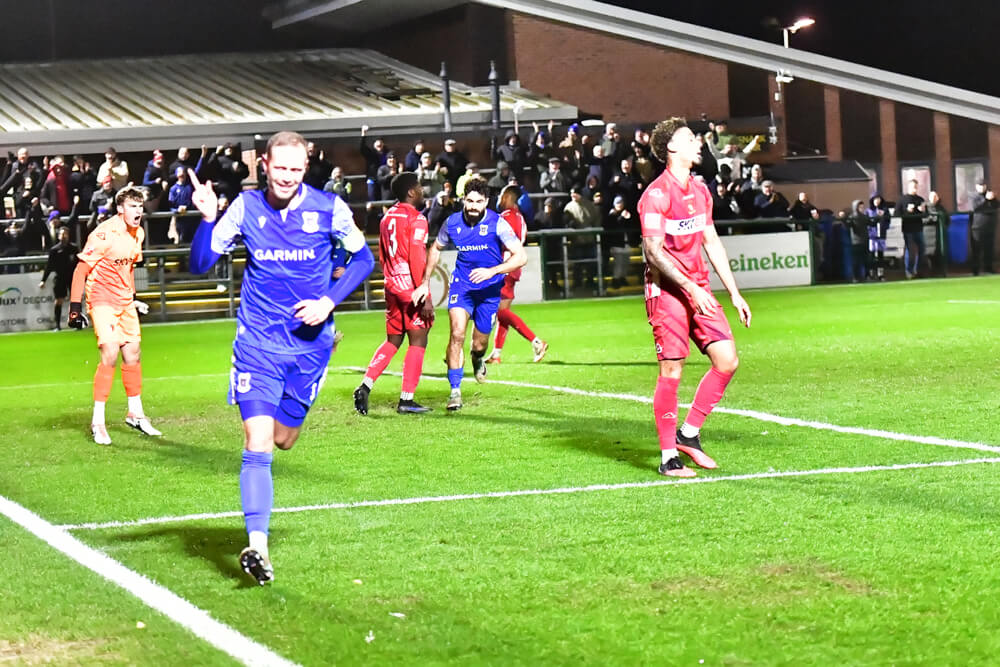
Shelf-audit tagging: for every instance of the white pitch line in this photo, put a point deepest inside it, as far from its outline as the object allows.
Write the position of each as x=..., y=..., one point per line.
x=155, y=378
x=753, y=414
x=534, y=492
x=171, y=605
x=973, y=301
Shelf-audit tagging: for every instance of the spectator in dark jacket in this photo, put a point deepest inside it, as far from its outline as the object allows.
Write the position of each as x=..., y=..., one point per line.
x=385, y=174
x=154, y=179
x=374, y=156
x=770, y=203
x=185, y=160
x=231, y=171
x=82, y=179
x=984, y=227
x=510, y=151
x=20, y=167
x=412, y=159
x=451, y=162
x=319, y=169
x=911, y=207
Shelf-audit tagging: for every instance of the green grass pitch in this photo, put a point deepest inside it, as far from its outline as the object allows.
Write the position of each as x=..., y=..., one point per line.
x=867, y=565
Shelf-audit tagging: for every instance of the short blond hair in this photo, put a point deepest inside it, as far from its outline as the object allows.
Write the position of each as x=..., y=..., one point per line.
x=285, y=138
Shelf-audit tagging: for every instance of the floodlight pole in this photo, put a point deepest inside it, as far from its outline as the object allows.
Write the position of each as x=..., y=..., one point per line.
x=495, y=94
x=446, y=95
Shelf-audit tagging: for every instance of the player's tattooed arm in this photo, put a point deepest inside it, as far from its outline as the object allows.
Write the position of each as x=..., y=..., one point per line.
x=652, y=246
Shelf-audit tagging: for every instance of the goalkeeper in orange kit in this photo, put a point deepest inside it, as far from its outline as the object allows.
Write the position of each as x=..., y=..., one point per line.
x=105, y=271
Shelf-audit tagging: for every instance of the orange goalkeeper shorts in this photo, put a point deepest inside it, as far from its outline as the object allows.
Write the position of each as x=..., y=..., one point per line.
x=115, y=327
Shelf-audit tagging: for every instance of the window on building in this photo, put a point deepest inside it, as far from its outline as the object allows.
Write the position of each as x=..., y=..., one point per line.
x=966, y=175
x=922, y=174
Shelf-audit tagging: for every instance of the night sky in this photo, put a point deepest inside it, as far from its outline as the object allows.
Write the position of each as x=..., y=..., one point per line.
x=955, y=42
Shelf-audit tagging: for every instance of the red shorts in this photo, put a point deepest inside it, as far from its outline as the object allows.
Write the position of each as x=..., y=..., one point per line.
x=402, y=316
x=674, y=321
x=508, y=287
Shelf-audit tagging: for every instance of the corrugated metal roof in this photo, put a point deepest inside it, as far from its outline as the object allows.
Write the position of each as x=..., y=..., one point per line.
x=204, y=98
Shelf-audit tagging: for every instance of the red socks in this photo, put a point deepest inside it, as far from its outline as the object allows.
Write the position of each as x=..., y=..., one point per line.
x=709, y=393
x=665, y=411
x=383, y=355
x=507, y=318
x=413, y=365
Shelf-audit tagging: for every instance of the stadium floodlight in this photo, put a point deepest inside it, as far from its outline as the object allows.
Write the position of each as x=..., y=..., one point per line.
x=803, y=22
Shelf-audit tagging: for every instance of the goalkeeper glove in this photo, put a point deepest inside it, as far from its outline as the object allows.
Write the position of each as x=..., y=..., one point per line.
x=140, y=307
x=77, y=320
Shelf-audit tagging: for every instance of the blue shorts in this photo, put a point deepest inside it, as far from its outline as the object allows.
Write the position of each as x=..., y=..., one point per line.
x=282, y=386
x=481, y=304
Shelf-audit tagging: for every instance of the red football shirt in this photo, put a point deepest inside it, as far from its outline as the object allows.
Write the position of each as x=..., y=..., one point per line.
x=679, y=213
x=402, y=248
x=516, y=222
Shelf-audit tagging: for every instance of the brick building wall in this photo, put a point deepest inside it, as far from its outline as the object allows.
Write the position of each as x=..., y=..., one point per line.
x=622, y=79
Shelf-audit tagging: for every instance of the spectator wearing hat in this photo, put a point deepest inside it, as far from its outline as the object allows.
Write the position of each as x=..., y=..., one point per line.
x=984, y=227
x=581, y=213
x=621, y=230
x=499, y=180
x=451, y=162
x=554, y=179
x=471, y=171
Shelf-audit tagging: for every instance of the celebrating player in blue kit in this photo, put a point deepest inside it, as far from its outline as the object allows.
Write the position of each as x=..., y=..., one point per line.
x=284, y=334
x=480, y=235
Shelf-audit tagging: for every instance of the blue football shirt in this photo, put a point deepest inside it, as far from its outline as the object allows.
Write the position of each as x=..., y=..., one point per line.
x=479, y=246
x=289, y=258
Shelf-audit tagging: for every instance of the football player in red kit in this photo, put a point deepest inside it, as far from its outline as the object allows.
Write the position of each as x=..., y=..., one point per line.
x=506, y=318
x=676, y=216
x=403, y=254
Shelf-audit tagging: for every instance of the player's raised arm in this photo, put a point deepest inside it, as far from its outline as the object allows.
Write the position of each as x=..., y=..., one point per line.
x=717, y=256
x=212, y=239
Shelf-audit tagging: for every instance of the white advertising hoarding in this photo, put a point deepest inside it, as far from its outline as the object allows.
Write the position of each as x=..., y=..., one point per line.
x=24, y=306
x=529, y=287
x=767, y=260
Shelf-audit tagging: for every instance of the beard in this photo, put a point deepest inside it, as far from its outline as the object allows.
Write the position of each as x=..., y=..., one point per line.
x=472, y=218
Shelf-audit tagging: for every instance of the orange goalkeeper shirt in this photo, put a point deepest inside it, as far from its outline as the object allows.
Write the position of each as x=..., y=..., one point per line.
x=111, y=250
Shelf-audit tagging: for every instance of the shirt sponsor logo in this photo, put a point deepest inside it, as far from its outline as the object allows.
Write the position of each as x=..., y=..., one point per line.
x=656, y=192
x=284, y=255
x=310, y=222
x=419, y=234
x=473, y=248
x=687, y=226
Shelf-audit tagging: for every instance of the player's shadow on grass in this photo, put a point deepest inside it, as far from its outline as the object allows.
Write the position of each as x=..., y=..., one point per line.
x=218, y=546
x=593, y=435
x=603, y=364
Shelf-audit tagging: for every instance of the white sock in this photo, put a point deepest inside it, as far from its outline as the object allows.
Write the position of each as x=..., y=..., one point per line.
x=98, y=417
x=258, y=542
x=537, y=341
x=667, y=454
x=406, y=395
x=135, y=406
x=689, y=431
x=496, y=351
x=368, y=382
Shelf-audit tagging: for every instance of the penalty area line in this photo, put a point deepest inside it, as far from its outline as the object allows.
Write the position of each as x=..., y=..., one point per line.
x=171, y=605
x=752, y=414
x=422, y=500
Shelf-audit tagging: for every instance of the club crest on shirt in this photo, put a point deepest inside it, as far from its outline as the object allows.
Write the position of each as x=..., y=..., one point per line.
x=310, y=222
x=243, y=383
x=261, y=221
x=484, y=230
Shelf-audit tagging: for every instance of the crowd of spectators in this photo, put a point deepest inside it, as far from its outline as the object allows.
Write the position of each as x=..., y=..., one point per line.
x=572, y=178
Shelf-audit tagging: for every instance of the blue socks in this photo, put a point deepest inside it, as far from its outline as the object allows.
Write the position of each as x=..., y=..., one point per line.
x=455, y=377
x=257, y=490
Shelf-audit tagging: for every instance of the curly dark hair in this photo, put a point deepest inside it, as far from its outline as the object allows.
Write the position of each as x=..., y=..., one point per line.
x=477, y=185
x=662, y=134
